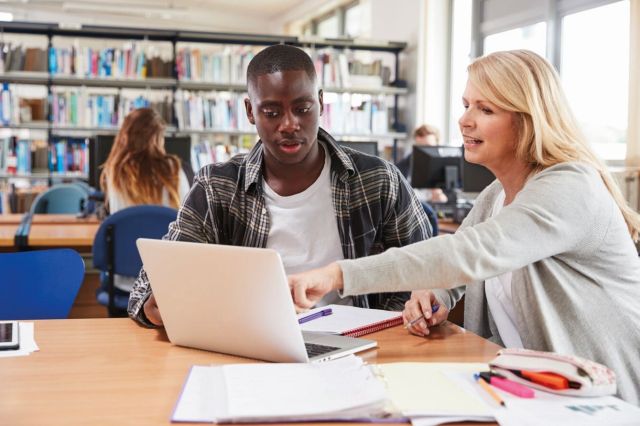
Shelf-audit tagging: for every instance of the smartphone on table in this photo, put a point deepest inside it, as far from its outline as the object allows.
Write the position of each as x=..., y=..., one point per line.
x=9, y=335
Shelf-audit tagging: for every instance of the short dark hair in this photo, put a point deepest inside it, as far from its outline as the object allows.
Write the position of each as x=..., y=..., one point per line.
x=278, y=58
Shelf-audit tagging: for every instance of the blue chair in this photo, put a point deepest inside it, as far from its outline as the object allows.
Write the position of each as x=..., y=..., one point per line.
x=66, y=198
x=39, y=284
x=115, y=251
x=433, y=218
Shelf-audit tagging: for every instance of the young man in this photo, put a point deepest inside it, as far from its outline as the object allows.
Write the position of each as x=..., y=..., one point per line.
x=296, y=191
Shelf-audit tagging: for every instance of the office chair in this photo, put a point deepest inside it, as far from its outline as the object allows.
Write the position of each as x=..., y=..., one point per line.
x=432, y=216
x=115, y=251
x=66, y=198
x=39, y=284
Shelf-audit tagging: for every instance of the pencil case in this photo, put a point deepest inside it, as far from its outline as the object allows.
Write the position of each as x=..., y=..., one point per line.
x=557, y=373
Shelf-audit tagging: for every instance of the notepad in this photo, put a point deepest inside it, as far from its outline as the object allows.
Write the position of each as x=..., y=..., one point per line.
x=351, y=321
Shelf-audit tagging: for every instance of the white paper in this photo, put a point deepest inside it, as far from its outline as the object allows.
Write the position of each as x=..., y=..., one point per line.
x=344, y=318
x=440, y=420
x=427, y=389
x=27, y=342
x=547, y=408
x=341, y=389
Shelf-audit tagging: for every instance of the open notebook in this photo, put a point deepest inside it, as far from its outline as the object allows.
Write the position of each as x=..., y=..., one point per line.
x=350, y=320
x=343, y=389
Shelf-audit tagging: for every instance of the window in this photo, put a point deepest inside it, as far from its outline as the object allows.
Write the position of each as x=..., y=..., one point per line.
x=532, y=37
x=329, y=26
x=460, y=58
x=595, y=75
x=587, y=41
x=353, y=21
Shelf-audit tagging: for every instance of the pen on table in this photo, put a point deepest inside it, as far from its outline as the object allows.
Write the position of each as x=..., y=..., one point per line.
x=507, y=385
x=490, y=391
x=434, y=309
x=318, y=314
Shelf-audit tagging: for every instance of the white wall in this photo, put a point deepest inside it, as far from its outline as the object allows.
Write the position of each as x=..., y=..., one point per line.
x=400, y=21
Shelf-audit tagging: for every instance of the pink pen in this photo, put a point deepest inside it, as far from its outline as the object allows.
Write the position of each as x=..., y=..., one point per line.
x=508, y=385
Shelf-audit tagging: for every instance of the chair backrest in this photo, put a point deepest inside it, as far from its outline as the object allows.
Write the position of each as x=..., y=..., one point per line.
x=39, y=284
x=126, y=226
x=66, y=198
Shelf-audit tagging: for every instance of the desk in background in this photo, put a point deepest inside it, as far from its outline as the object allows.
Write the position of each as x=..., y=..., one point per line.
x=447, y=226
x=18, y=231
x=111, y=371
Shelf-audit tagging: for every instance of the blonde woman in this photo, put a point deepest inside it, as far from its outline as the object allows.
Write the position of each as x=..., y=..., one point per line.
x=546, y=257
x=138, y=171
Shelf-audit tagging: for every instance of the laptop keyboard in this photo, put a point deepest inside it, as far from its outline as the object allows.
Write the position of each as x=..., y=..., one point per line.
x=315, y=350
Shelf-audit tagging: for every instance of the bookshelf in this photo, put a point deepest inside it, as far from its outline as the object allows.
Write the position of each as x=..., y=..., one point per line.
x=91, y=76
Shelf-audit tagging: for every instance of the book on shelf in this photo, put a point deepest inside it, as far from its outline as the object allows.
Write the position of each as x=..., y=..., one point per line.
x=23, y=156
x=354, y=113
x=211, y=110
x=82, y=108
x=68, y=155
x=341, y=68
x=223, y=65
x=129, y=61
x=350, y=320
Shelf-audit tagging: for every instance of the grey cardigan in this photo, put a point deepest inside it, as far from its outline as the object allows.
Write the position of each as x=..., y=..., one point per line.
x=576, y=271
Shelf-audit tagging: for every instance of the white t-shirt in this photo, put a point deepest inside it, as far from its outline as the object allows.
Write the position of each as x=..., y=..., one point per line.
x=498, y=292
x=304, y=229
x=118, y=202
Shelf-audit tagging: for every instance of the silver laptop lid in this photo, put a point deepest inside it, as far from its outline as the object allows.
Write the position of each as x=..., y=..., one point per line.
x=223, y=298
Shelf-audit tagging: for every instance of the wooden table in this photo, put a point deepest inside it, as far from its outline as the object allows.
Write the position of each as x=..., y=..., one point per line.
x=50, y=231
x=62, y=230
x=112, y=372
x=447, y=226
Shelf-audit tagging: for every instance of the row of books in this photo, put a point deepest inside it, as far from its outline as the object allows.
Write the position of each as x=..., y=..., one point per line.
x=211, y=110
x=23, y=156
x=206, y=152
x=348, y=113
x=226, y=66
x=78, y=107
x=130, y=61
x=19, y=58
x=339, y=69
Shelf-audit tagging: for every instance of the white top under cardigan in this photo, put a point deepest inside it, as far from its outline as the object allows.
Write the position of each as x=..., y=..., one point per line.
x=576, y=271
x=499, y=299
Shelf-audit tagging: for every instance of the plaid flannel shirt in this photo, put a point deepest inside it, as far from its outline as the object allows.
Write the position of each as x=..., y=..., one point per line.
x=374, y=205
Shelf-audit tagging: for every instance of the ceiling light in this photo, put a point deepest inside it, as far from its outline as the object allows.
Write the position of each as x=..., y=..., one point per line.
x=6, y=16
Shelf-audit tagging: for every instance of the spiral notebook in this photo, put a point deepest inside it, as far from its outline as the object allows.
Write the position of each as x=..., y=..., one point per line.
x=350, y=320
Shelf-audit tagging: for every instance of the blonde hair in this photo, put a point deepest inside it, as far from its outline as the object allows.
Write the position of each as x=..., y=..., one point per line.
x=138, y=165
x=522, y=82
x=426, y=130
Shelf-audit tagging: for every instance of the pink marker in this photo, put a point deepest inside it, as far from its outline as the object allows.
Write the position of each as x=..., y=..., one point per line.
x=508, y=385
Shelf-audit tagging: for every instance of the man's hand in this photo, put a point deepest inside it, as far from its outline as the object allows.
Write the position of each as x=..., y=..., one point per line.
x=151, y=311
x=309, y=287
x=420, y=306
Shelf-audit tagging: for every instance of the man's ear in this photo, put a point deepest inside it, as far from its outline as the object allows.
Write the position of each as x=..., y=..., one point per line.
x=321, y=101
x=247, y=107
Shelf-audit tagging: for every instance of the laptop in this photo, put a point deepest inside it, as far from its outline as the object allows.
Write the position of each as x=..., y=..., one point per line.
x=234, y=300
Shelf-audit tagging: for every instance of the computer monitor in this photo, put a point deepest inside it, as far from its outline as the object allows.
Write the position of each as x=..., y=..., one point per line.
x=368, y=147
x=475, y=177
x=100, y=147
x=436, y=167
